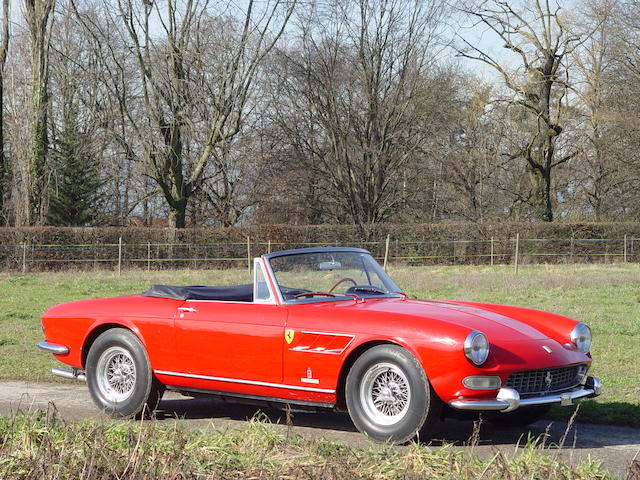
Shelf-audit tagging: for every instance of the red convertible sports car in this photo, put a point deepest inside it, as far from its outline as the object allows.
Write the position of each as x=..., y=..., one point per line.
x=324, y=327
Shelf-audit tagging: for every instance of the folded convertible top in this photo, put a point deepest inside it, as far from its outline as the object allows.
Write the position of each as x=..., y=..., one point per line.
x=236, y=293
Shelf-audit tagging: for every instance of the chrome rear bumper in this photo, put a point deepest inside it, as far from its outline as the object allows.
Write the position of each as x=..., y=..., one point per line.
x=509, y=399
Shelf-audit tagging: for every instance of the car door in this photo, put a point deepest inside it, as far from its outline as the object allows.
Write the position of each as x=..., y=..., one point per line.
x=232, y=340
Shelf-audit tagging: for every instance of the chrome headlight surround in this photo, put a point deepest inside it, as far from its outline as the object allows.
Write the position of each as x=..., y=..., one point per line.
x=476, y=347
x=581, y=337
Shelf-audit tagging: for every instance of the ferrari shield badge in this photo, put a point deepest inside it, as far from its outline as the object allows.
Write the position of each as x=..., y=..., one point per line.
x=288, y=336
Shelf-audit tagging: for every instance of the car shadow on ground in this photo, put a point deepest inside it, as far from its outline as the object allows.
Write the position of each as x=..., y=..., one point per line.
x=552, y=433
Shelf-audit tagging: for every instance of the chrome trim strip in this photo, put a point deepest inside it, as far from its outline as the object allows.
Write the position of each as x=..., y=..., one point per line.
x=53, y=348
x=463, y=404
x=310, y=380
x=272, y=276
x=328, y=333
x=259, y=261
x=323, y=352
x=245, y=382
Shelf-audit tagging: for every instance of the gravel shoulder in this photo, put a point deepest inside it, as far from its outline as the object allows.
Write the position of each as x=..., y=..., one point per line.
x=615, y=446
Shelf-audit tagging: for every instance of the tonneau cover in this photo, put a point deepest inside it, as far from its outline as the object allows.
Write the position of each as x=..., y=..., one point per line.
x=236, y=293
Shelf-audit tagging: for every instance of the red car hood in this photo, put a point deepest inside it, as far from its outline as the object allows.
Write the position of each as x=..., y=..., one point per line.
x=508, y=328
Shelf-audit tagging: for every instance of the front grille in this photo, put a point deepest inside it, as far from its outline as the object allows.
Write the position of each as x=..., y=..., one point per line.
x=545, y=380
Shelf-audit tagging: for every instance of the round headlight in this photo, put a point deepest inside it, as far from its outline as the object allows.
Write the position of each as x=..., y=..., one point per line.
x=476, y=347
x=581, y=337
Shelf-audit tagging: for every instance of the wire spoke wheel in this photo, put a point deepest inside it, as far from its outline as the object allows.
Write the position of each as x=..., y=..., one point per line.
x=116, y=374
x=385, y=394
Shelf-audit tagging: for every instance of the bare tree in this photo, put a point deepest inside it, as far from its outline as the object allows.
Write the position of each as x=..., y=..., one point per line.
x=603, y=173
x=540, y=41
x=39, y=18
x=4, y=47
x=470, y=156
x=356, y=85
x=187, y=104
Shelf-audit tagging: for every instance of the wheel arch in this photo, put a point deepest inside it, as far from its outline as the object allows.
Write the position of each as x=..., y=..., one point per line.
x=354, y=354
x=98, y=330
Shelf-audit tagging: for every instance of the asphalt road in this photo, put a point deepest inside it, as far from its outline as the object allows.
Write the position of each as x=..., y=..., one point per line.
x=615, y=446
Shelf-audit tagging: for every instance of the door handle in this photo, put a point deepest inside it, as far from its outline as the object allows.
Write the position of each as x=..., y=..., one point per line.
x=187, y=309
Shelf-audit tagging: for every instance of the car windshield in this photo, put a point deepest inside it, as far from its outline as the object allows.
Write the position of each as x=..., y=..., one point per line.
x=315, y=275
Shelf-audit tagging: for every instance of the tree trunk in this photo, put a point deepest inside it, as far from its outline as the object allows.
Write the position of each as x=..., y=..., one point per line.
x=547, y=214
x=178, y=213
x=39, y=19
x=39, y=142
x=3, y=166
x=4, y=170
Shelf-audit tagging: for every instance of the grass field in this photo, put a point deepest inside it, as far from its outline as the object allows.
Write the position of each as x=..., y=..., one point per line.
x=606, y=297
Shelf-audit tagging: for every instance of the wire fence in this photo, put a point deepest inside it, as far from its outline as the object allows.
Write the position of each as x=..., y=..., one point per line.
x=517, y=251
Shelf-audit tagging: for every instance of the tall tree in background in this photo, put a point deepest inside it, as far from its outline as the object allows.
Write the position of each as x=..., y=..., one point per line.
x=4, y=47
x=39, y=18
x=75, y=190
x=603, y=172
x=355, y=86
x=189, y=105
x=541, y=42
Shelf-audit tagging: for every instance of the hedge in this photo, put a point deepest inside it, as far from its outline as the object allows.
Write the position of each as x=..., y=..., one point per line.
x=46, y=248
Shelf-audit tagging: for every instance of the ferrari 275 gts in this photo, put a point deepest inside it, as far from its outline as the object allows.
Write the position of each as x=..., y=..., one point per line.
x=324, y=328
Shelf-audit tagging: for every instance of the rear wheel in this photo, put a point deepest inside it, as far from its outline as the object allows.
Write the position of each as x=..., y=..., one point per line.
x=520, y=417
x=119, y=375
x=389, y=397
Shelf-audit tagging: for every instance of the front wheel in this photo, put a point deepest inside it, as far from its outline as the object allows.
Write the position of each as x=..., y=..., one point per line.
x=388, y=395
x=119, y=375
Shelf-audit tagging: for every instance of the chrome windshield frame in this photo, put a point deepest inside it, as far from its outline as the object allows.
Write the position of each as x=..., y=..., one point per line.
x=328, y=250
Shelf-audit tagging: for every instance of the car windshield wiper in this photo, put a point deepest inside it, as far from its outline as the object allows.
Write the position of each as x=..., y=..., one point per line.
x=369, y=289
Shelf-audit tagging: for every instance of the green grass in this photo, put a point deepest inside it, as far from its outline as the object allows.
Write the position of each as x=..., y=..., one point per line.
x=41, y=446
x=606, y=297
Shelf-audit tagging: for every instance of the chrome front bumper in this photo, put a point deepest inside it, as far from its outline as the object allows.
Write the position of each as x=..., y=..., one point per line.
x=509, y=399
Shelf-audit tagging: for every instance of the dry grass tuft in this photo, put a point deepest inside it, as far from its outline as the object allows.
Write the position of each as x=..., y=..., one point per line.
x=39, y=445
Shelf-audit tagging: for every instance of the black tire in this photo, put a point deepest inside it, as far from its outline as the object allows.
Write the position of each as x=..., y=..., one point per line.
x=411, y=407
x=119, y=375
x=519, y=418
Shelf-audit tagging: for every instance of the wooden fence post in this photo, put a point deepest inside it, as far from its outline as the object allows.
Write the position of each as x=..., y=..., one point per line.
x=24, y=257
x=249, y=253
x=95, y=256
x=625, y=249
x=269, y=247
x=517, y=251
x=492, y=251
x=573, y=246
x=119, y=256
x=386, y=252
x=148, y=256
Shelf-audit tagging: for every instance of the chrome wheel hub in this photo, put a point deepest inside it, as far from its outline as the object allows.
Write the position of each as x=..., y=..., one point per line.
x=116, y=374
x=385, y=394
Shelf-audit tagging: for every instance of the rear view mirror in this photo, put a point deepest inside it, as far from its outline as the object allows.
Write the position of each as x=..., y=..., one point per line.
x=332, y=265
